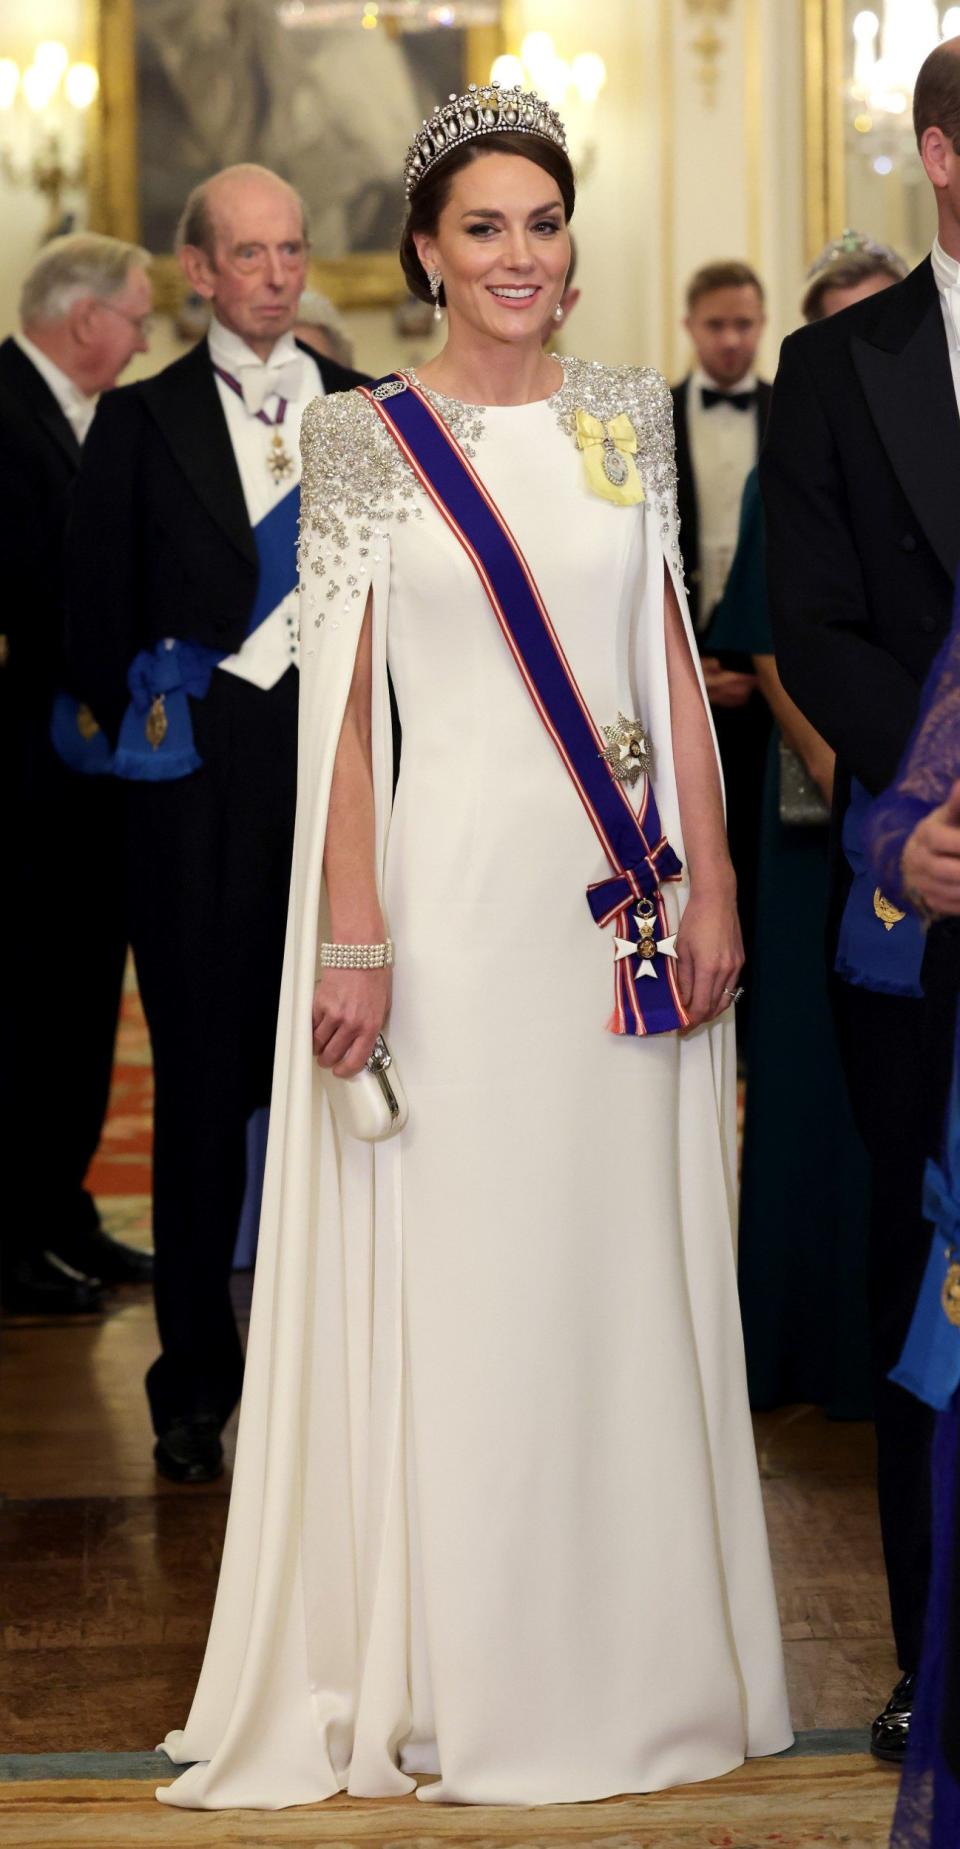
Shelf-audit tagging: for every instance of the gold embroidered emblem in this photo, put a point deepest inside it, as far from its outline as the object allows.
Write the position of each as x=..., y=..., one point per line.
x=86, y=724
x=886, y=911
x=950, y=1295
x=157, y=724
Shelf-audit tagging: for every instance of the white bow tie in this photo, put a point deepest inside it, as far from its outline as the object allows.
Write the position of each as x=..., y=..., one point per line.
x=258, y=383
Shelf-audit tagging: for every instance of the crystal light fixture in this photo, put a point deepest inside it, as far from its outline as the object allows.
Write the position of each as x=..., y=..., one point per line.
x=41, y=111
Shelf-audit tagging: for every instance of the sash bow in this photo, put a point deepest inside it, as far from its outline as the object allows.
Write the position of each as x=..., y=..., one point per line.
x=606, y=898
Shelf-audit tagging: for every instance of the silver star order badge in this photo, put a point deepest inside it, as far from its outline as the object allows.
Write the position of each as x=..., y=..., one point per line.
x=628, y=750
x=649, y=946
x=279, y=459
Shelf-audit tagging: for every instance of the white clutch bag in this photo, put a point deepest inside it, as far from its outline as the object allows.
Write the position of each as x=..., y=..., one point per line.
x=373, y=1105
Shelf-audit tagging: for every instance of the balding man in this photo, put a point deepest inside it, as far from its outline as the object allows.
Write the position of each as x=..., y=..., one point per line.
x=183, y=638
x=84, y=309
x=861, y=479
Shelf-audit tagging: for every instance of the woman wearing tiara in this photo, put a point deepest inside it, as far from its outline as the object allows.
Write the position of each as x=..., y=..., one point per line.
x=496, y=1520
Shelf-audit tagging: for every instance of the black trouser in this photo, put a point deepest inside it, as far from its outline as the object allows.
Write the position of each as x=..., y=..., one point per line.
x=209, y=859
x=65, y=937
x=898, y=1058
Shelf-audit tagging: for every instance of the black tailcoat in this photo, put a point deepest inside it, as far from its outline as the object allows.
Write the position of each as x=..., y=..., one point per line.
x=861, y=481
x=161, y=545
x=63, y=848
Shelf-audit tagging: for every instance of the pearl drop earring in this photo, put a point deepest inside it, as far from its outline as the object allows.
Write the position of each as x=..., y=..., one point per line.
x=436, y=282
x=558, y=312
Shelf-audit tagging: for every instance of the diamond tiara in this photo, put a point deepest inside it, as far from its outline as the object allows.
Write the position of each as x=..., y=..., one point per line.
x=484, y=109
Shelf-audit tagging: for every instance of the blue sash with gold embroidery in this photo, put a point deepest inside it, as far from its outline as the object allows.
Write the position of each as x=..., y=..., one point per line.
x=156, y=738
x=639, y=855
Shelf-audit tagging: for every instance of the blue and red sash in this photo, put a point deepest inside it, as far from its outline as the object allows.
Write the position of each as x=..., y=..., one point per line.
x=640, y=856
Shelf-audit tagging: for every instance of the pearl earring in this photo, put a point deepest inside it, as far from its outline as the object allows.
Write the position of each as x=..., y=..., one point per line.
x=436, y=282
x=558, y=312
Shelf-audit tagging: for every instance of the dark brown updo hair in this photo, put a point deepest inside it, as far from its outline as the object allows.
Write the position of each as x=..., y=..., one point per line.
x=431, y=195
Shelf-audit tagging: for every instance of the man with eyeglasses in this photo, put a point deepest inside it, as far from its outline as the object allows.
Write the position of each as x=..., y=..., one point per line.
x=183, y=638
x=84, y=308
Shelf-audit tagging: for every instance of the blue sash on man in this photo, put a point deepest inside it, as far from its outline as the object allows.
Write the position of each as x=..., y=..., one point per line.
x=77, y=739
x=640, y=857
x=156, y=740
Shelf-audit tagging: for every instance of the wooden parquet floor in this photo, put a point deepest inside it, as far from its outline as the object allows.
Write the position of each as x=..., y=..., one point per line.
x=107, y=1576
x=840, y=1803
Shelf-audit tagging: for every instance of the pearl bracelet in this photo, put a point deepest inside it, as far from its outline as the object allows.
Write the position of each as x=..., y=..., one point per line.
x=357, y=956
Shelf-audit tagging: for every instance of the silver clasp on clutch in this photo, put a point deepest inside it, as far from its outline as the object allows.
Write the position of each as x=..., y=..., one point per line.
x=380, y=1060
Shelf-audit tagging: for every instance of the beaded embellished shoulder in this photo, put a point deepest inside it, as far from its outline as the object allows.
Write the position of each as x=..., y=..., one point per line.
x=644, y=395
x=354, y=478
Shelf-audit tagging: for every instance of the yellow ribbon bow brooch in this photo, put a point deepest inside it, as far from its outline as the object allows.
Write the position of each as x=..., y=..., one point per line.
x=608, y=455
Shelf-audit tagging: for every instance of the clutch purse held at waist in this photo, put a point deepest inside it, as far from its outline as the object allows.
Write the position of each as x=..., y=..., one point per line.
x=372, y=1105
x=802, y=803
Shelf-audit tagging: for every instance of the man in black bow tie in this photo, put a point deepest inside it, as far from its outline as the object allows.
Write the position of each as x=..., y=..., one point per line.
x=861, y=483
x=720, y=411
x=183, y=556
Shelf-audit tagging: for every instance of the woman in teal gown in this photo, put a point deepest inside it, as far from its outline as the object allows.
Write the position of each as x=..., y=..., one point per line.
x=805, y=1176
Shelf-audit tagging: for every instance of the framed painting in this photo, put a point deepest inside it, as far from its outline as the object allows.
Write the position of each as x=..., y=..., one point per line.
x=301, y=86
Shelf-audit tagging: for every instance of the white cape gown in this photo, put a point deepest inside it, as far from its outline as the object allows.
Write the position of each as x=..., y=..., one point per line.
x=495, y=1513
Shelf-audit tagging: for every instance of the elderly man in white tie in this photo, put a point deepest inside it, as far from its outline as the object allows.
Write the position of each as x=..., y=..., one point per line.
x=182, y=638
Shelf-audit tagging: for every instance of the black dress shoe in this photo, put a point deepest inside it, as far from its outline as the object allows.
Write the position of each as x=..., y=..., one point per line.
x=44, y=1286
x=189, y=1450
x=891, y=1729
x=92, y=1250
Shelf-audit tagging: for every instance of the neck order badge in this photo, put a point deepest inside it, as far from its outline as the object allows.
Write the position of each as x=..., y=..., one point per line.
x=640, y=856
x=279, y=459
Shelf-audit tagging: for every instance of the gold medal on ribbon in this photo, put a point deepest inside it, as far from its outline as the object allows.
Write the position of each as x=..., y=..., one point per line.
x=608, y=457
x=156, y=727
x=279, y=459
x=950, y=1295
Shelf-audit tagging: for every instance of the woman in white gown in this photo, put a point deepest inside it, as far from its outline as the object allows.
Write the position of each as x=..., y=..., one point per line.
x=496, y=1515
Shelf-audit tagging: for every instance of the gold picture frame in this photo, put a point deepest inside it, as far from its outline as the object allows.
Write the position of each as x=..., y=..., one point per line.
x=364, y=279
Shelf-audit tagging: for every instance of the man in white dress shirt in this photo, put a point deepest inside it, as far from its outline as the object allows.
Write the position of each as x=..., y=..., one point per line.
x=183, y=570
x=720, y=412
x=84, y=310
x=861, y=482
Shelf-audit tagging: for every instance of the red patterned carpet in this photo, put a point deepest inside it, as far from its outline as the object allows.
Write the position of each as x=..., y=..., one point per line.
x=119, y=1175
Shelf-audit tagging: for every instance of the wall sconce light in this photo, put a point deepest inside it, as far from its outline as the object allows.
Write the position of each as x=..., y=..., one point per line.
x=41, y=114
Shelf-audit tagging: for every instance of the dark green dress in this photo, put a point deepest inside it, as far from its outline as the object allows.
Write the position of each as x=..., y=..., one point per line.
x=805, y=1176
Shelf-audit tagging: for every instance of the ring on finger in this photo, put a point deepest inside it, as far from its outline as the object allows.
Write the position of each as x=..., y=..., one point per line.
x=736, y=994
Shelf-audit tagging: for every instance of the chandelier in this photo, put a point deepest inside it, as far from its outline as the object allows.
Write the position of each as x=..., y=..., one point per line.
x=888, y=50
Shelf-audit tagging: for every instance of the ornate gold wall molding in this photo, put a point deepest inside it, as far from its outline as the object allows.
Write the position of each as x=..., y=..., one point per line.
x=753, y=127
x=668, y=306
x=825, y=189
x=709, y=44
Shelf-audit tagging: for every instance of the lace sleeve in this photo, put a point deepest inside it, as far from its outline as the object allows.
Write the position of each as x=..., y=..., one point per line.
x=929, y=768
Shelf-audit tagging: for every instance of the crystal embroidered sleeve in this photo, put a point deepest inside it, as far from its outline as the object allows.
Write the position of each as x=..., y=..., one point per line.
x=354, y=483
